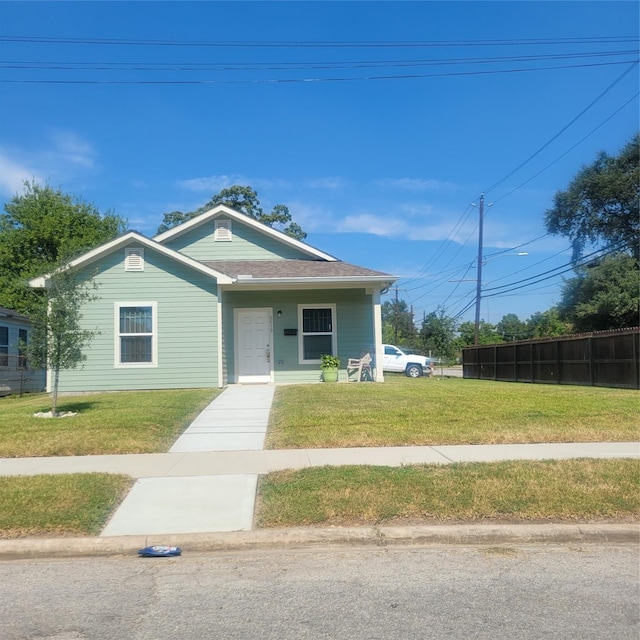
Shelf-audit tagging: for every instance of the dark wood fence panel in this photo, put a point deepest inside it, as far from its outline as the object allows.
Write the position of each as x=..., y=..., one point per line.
x=604, y=359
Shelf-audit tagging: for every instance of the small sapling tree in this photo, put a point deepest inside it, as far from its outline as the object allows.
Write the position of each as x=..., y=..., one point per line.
x=58, y=339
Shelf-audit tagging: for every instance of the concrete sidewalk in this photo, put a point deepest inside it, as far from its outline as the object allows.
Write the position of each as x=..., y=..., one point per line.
x=216, y=463
x=207, y=481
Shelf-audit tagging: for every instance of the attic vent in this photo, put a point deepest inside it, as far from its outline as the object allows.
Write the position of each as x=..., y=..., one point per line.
x=223, y=231
x=134, y=259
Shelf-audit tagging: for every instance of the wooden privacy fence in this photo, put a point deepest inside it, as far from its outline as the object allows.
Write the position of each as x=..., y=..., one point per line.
x=601, y=359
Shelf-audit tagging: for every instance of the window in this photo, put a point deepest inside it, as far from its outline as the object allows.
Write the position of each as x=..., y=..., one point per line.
x=318, y=334
x=136, y=334
x=134, y=259
x=22, y=348
x=4, y=346
x=222, y=231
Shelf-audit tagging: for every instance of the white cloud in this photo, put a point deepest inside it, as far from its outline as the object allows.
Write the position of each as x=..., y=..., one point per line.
x=214, y=184
x=329, y=182
x=211, y=183
x=71, y=149
x=414, y=184
x=13, y=173
x=65, y=157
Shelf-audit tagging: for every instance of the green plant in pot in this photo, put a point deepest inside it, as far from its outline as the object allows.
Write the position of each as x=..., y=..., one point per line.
x=329, y=365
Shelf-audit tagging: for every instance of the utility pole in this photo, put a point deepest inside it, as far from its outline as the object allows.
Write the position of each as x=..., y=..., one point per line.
x=479, y=277
x=397, y=318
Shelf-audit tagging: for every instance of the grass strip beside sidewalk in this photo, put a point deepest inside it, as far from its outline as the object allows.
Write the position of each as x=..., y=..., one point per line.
x=581, y=490
x=431, y=411
x=107, y=423
x=59, y=505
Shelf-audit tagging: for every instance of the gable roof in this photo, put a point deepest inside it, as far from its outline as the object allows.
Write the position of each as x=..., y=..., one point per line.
x=297, y=270
x=246, y=220
x=121, y=241
x=10, y=314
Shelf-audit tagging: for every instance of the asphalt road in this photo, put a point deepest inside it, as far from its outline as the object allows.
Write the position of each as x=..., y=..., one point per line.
x=588, y=592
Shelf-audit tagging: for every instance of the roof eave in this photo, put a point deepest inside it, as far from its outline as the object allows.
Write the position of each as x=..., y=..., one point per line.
x=95, y=254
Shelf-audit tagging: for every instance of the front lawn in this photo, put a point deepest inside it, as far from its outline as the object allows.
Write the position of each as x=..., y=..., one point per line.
x=432, y=411
x=107, y=423
x=519, y=491
x=59, y=505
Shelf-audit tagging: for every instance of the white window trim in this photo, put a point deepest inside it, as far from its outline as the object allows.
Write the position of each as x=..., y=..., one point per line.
x=135, y=251
x=223, y=231
x=5, y=345
x=334, y=330
x=154, y=336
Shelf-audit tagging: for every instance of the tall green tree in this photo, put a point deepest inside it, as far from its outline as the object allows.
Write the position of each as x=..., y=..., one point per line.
x=601, y=206
x=41, y=228
x=511, y=328
x=548, y=324
x=437, y=334
x=397, y=323
x=58, y=340
x=603, y=296
x=487, y=334
x=244, y=200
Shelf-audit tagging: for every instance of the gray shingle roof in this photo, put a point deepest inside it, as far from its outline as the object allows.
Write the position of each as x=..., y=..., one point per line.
x=292, y=269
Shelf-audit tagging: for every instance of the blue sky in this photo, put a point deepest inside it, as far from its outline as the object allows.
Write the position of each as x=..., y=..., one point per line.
x=377, y=123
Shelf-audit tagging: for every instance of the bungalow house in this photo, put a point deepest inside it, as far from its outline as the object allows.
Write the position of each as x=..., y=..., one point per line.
x=221, y=299
x=15, y=374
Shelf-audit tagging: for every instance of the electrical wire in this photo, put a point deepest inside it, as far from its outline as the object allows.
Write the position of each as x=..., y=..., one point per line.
x=557, y=135
x=412, y=76
x=535, y=175
x=292, y=66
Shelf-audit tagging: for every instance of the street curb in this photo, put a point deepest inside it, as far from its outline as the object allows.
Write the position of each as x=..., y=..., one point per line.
x=416, y=536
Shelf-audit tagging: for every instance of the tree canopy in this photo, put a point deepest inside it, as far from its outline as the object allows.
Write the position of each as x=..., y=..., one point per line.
x=244, y=200
x=601, y=204
x=603, y=296
x=41, y=228
x=601, y=208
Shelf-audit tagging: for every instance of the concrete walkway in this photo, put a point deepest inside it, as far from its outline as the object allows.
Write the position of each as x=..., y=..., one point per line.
x=202, y=501
x=207, y=481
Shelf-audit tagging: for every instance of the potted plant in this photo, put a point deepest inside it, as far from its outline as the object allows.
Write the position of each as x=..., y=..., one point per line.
x=329, y=365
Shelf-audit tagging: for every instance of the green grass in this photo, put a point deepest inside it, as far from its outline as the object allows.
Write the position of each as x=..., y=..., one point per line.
x=521, y=491
x=107, y=423
x=59, y=505
x=430, y=411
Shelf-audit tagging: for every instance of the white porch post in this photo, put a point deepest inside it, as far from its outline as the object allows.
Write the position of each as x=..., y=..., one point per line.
x=377, y=334
x=220, y=342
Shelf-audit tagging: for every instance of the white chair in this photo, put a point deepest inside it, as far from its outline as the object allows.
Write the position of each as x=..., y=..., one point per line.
x=361, y=365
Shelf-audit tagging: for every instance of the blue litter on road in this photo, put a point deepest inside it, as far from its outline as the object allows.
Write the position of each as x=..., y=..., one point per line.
x=159, y=551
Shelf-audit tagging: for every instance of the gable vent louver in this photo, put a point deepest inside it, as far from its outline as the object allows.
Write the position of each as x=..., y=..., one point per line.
x=223, y=231
x=134, y=259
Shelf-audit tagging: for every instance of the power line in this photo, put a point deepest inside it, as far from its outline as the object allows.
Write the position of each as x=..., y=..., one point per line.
x=412, y=76
x=321, y=44
x=557, y=135
x=291, y=66
x=535, y=175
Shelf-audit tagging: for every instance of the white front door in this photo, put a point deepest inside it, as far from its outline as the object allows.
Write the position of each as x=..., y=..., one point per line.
x=253, y=345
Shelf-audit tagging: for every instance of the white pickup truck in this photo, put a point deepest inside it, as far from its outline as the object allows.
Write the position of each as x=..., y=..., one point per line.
x=395, y=359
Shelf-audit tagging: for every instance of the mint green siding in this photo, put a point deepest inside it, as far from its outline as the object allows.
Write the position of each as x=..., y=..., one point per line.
x=354, y=325
x=187, y=327
x=246, y=244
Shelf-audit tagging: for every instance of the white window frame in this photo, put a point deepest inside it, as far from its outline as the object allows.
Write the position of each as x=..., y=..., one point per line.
x=130, y=263
x=223, y=231
x=301, y=335
x=4, y=355
x=117, y=335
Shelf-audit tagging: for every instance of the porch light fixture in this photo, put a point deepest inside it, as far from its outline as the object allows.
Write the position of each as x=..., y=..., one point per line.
x=279, y=313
